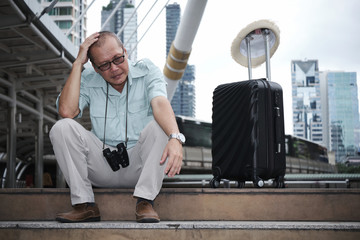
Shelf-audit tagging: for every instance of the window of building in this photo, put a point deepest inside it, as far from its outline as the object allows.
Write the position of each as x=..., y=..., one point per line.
x=316, y=118
x=299, y=104
x=62, y=11
x=313, y=104
x=64, y=24
x=310, y=81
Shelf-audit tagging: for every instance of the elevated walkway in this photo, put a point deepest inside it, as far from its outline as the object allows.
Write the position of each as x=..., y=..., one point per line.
x=189, y=213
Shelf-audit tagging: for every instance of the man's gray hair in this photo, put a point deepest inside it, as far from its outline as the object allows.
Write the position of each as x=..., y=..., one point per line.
x=103, y=35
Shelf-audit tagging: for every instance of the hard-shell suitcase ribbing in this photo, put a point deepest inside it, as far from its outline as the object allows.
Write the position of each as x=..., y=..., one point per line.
x=248, y=140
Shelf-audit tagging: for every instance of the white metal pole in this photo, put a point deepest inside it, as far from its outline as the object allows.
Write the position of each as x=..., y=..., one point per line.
x=180, y=50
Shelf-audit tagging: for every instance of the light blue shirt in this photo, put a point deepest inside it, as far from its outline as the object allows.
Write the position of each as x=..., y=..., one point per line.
x=145, y=81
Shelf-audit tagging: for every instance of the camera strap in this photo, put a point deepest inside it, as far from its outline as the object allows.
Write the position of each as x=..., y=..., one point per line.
x=126, y=114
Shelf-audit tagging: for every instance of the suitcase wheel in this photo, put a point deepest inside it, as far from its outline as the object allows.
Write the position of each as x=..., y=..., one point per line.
x=241, y=184
x=258, y=182
x=214, y=183
x=279, y=182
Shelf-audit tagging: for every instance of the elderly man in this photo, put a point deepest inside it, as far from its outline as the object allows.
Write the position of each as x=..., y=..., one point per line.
x=134, y=140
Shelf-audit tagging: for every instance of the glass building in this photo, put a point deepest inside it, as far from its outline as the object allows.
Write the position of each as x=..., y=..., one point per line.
x=65, y=13
x=124, y=20
x=184, y=97
x=172, y=23
x=341, y=123
x=183, y=102
x=307, y=119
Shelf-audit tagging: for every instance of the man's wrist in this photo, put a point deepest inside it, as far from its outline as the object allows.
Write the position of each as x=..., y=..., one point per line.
x=77, y=63
x=179, y=136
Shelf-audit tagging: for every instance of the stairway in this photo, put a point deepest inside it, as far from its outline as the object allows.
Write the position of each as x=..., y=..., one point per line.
x=189, y=213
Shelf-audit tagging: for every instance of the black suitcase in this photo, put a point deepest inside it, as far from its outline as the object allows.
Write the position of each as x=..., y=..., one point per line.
x=248, y=140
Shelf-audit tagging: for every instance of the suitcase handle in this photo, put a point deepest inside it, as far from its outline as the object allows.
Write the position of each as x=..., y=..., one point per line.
x=278, y=118
x=278, y=130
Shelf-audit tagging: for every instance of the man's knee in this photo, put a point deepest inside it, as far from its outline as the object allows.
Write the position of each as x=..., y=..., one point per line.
x=154, y=129
x=61, y=126
x=152, y=134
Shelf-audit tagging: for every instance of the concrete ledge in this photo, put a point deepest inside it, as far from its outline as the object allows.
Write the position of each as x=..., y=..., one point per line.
x=181, y=230
x=200, y=204
x=257, y=225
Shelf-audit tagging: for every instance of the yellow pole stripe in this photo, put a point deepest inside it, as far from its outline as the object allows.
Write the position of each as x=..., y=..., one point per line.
x=170, y=74
x=175, y=63
x=177, y=54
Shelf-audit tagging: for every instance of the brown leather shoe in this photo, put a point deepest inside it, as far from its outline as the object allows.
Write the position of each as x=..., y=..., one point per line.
x=145, y=213
x=83, y=212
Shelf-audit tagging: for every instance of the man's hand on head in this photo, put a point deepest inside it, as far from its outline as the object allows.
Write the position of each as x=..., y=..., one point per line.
x=84, y=48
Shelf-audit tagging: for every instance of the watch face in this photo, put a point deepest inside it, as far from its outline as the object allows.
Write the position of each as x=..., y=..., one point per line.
x=182, y=137
x=178, y=136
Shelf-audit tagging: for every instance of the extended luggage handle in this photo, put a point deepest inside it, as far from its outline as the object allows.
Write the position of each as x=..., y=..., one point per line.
x=265, y=32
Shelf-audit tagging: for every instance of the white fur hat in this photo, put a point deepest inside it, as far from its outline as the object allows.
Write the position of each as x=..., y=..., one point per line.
x=257, y=44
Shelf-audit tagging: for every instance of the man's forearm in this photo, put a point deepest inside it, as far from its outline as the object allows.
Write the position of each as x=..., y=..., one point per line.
x=69, y=98
x=164, y=115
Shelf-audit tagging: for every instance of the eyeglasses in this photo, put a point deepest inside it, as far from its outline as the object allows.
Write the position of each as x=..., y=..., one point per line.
x=115, y=61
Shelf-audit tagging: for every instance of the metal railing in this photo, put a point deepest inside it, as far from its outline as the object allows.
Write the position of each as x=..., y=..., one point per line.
x=199, y=160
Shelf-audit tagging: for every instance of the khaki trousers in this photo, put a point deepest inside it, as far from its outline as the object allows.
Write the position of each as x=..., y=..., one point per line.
x=79, y=154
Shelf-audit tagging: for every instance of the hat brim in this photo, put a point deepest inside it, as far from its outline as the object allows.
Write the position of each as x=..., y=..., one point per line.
x=257, y=46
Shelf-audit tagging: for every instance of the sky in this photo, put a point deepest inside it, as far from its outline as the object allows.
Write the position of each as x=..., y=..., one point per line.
x=323, y=30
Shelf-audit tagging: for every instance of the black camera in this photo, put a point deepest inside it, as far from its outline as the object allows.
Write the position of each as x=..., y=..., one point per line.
x=117, y=158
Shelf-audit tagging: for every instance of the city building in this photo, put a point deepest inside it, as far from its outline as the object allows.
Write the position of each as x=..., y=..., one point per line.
x=183, y=102
x=123, y=22
x=173, y=17
x=339, y=94
x=307, y=115
x=65, y=14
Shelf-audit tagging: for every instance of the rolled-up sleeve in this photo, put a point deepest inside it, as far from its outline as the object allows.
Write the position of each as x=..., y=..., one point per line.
x=156, y=84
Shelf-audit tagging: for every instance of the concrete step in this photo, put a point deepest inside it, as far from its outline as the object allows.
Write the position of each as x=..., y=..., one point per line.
x=181, y=230
x=193, y=204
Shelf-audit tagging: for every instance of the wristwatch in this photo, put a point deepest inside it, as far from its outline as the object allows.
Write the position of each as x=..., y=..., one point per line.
x=178, y=136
